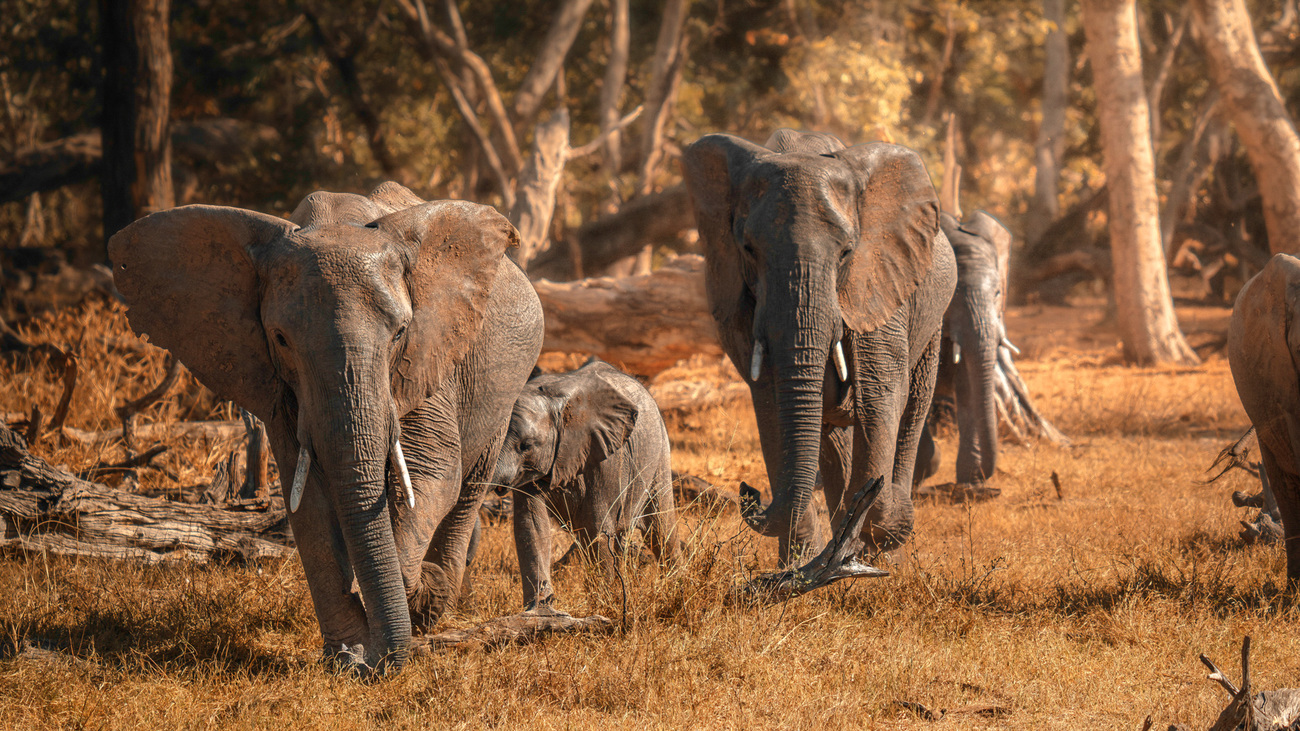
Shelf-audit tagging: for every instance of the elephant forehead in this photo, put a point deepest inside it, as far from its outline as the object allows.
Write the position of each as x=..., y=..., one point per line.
x=320, y=266
x=797, y=190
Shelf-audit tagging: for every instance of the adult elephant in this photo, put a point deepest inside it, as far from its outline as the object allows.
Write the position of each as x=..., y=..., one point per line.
x=382, y=339
x=1264, y=354
x=828, y=276
x=974, y=326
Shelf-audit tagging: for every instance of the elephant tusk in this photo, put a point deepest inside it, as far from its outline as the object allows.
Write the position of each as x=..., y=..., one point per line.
x=1010, y=345
x=840, y=364
x=405, y=475
x=299, y=478
x=756, y=361
x=956, y=353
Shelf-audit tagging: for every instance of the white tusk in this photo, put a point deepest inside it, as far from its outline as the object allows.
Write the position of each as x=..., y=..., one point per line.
x=756, y=361
x=299, y=478
x=1010, y=345
x=401, y=470
x=956, y=353
x=842, y=366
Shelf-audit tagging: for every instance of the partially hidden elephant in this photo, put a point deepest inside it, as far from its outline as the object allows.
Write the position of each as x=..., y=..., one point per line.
x=828, y=276
x=973, y=331
x=1264, y=354
x=382, y=339
x=588, y=447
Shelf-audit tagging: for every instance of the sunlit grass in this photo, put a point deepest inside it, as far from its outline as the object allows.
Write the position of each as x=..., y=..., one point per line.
x=1085, y=609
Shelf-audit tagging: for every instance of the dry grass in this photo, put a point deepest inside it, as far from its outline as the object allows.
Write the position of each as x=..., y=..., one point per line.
x=1086, y=609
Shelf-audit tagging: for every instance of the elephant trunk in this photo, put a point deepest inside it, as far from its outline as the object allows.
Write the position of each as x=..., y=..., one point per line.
x=353, y=437
x=799, y=332
x=977, y=454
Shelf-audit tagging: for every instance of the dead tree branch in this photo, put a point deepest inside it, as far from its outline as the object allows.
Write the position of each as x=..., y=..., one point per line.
x=127, y=412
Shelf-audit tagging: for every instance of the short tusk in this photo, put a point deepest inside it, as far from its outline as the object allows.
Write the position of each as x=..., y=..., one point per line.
x=299, y=478
x=756, y=361
x=401, y=470
x=956, y=353
x=840, y=364
x=1010, y=345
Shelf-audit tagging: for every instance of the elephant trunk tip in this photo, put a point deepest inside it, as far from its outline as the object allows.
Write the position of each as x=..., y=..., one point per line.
x=751, y=509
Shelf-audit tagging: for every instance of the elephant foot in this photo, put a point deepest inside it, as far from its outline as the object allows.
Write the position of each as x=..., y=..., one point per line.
x=344, y=659
x=431, y=598
x=544, y=608
x=838, y=561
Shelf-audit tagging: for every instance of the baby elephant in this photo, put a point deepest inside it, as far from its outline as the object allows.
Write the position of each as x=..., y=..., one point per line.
x=590, y=448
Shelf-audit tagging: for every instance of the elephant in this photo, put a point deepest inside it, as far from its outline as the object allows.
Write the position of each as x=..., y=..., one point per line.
x=590, y=448
x=1264, y=355
x=828, y=276
x=973, y=331
x=382, y=340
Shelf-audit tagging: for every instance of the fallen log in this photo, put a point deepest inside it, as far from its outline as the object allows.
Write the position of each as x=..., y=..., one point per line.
x=641, y=324
x=46, y=510
x=211, y=430
x=1271, y=710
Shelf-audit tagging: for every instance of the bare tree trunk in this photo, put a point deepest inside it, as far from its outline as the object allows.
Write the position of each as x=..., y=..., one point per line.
x=1167, y=56
x=1144, y=307
x=950, y=189
x=612, y=88
x=550, y=57
x=1257, y=111
x=1050, y=145
x=535, y=193
x=666, y=74
x=137, y=173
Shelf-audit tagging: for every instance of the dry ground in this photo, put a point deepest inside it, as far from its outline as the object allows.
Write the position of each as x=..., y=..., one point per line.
x=1085, y=609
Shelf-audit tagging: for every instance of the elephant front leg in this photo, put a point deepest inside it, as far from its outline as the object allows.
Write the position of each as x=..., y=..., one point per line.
x=532, y=525
x=882, y=395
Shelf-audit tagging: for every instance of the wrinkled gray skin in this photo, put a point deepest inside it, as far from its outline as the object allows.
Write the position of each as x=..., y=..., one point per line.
x=1264, y=353
x=974, y=325
x=588, y=447
x=809, y=243
x=359, y=321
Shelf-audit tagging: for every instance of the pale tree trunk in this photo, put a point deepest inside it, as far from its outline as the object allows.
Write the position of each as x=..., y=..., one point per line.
x=1050, y=144
x=1253, y=104
x=550, y=57
x=1145, y=310
x=612, y=88
x=136, y=177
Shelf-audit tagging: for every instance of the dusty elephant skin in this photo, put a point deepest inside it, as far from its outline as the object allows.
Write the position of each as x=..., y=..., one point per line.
x=973, y=330
x=588, y=447
x=828, y=276
x=382, y=339
x=1263, y=348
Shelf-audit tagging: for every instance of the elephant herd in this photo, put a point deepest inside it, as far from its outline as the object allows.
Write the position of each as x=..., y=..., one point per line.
x=390, y=346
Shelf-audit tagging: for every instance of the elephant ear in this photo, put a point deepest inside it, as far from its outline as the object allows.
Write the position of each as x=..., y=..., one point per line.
x=1262, y=345
x=453, y=251
x=813, y=143
x=713, y=167
x=191, y=286
x=898, y=218
x=595, y=420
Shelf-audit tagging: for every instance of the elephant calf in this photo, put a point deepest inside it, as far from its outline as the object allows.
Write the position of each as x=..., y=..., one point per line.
x=590, y=448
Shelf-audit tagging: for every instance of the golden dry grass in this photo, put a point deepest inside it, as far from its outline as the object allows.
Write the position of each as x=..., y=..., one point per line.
x=1085, y=610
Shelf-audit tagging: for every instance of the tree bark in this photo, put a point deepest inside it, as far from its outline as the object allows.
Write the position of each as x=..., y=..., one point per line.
x=612, y=87
x=665, y=75
x=1144, y=306
x=535, y=191
x=1257, y=111
x=1050, y=144
x=137, y=175
x=642, y=324
x=550, y=57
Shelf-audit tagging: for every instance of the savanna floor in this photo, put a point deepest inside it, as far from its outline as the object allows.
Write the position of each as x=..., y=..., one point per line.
x=1083, y=608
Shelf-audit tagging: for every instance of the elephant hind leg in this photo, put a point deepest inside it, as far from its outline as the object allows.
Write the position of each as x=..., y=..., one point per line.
x=659, y=521
x=911, y=427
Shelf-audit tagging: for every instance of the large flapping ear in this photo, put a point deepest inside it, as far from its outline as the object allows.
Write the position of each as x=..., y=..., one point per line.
x=595, y=420
x=813, y=143
x=453, y=251
x=713, y=166
x=191, y=286
x=1262, y=338
x=898, y=218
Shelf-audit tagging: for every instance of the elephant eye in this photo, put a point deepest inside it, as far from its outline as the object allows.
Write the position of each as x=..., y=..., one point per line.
x=401, y=331
x=279, y=338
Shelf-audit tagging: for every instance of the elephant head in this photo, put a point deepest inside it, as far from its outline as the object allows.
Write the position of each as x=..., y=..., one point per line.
x=561, y=424
x=974, y=325
x=806, y=246
x=329, y=327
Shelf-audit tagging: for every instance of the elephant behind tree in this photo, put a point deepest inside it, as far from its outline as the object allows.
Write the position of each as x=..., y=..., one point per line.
x=588, y=447
x=1264, y=353
x=828, y=276
x=381, y=339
